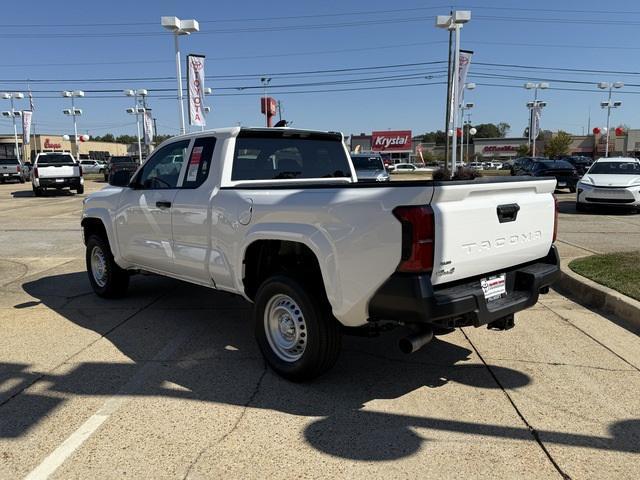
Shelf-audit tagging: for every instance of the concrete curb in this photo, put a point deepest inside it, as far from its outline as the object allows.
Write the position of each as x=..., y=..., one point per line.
x=598, y=296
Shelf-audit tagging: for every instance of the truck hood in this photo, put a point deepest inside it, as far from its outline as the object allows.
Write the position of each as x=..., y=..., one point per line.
x=611, y=180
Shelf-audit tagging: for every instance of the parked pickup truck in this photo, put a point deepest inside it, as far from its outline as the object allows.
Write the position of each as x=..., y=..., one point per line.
x=56, y=170
x=276, y=216
x=11, y=169
x=120, y=163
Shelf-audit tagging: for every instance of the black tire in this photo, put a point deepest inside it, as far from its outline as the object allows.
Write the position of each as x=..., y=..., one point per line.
x=572, y=189
x=319, y=329
x=21, y=179
x=37, y=191
x=581, y=207
x=115, y=280
x=80, y=190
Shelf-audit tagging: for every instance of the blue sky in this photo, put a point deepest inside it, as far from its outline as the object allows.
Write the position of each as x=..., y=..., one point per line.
x=49, y=41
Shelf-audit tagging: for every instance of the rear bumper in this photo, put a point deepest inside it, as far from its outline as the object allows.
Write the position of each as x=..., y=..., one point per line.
x=412, y=298
x=68, y=182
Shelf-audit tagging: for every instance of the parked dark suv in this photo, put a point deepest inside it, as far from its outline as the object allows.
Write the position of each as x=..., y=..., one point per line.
x=566, y=175
x=581, y=164
x=519, y=164
x=120, y=163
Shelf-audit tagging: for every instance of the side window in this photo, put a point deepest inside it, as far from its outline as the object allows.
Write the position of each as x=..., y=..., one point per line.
x=200, y=162
x=163, y=168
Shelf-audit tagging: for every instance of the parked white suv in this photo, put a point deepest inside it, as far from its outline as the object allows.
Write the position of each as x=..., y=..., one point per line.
x=56, y=171
x=610, y=181
x=277, y=216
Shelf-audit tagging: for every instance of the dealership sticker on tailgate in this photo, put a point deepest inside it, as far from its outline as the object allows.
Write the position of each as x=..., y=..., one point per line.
x=494, y=287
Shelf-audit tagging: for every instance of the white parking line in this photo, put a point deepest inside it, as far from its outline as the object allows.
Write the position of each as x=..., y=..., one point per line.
x=56, y=458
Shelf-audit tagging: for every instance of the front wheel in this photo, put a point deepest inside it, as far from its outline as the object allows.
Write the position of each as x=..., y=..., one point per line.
x=107, y=279
x=295, y=330
x=581, y=207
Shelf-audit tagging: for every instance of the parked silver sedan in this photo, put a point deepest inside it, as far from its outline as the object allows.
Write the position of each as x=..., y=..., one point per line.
x=92, y=166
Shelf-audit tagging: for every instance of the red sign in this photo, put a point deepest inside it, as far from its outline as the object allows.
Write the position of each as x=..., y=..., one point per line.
x=391, y=141
x=48, y=144
x=499, y=148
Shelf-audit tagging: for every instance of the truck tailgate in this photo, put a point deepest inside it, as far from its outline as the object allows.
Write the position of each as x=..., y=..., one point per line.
x=486, y=226
x=58, y=171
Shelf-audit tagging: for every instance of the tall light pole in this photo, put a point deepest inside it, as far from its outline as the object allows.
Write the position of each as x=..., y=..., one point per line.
x=454, y=23
x=13, y=113
x=463, y=108
x=73, y=112
x=179, y=27
x=609, y=105
x=265, y=83
x=136, y=110
x=534, y=107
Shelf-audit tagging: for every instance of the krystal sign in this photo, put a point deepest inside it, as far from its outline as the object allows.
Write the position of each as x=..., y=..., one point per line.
x=391, y=141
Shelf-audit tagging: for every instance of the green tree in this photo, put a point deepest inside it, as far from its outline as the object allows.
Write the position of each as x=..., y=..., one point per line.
x=503, y=129
x=558, y=145
x=439, y=137
x=523, y=150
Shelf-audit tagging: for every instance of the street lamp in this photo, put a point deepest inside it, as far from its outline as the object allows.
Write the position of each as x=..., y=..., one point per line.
x=136, y=110
x=454, y=22
x=534, y=112
x=463, y=107
x=13, y=113
x=179, y=27
x=73, y=111
x=609, y=105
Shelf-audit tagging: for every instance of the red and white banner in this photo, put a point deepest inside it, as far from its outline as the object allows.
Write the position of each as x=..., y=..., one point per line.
x=391, y=141
x=148, y=127
x=465, y=63
x=26, y=126
x=195, y=82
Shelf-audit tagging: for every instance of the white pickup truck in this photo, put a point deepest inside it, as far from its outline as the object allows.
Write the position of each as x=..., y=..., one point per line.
x=277, y=216
x=56, y=170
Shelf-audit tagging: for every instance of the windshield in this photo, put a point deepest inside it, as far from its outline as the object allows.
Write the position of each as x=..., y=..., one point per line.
x=56, y=159
x=8, y=161
x=367, y=163
x=615, y=168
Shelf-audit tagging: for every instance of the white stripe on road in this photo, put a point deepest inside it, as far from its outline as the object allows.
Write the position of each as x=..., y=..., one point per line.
x=56, y=458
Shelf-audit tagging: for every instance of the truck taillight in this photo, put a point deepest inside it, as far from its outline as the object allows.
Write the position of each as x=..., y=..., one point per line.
x=35, y=172
x=555, y=219
x=18, y=168
x=418, y=232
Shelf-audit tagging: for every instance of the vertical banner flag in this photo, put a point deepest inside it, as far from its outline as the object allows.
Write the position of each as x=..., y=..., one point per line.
x=148, y=127
x=26, y=126
x=465, y=63
x=195, y=80
x=535, y=131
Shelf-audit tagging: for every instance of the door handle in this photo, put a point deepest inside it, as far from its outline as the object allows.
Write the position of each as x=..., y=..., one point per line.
x=163, y=204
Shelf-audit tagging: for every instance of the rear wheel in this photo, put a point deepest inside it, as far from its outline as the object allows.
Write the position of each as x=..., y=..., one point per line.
x=107, y=279
x=37, y=191
x=572, y=189
x=295, y=330
x=80, y=190
x=21, y=179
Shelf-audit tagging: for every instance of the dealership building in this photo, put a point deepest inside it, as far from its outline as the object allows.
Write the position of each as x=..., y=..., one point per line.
x=57, y=143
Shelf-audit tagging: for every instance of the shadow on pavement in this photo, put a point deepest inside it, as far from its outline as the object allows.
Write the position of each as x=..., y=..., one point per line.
x=220, y=363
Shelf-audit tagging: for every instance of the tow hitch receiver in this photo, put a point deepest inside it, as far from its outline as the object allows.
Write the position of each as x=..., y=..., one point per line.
x=504, y=323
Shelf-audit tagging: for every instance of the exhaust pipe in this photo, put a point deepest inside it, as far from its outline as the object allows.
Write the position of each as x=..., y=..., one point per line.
x=415, y=341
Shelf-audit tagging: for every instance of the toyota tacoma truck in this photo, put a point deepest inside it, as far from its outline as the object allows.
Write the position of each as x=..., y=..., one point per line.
x=277, y=216
x=11, y=169
x=56, y=170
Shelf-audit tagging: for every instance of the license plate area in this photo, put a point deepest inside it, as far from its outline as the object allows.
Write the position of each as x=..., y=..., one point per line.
x=59, y=180
x=494, y=287
x=562, y=184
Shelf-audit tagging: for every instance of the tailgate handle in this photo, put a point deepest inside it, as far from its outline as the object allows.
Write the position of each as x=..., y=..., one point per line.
x=508, y=212
x=163, y=204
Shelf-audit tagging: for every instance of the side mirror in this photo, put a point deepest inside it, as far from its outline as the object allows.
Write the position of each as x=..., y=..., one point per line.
x=120, y=178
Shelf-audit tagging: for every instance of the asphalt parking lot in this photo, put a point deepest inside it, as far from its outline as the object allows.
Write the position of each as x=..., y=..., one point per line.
x=168, y=382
